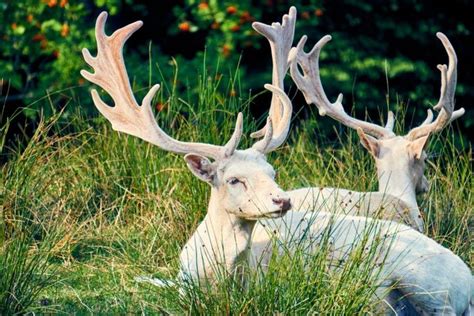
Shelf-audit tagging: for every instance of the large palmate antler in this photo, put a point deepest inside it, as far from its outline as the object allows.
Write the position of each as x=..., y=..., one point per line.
x=280, y=37
x=309, y=83
x=445, y=105
x=127, y=116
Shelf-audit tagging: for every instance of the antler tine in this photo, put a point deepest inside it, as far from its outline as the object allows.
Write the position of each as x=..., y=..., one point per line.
x=127, y=116
x=262, y=144
x=429, y=118
x=457, y=114
x=309, y=83
x=234, y=141
x=390, y=121
x=445, y=104
x=279, y=132
x=280, y=37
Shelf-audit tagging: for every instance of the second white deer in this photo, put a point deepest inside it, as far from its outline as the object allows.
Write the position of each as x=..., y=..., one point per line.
x=380, y=204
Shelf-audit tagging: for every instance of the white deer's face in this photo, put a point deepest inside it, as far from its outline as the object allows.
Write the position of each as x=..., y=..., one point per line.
x=399, y=155
x=244, y=183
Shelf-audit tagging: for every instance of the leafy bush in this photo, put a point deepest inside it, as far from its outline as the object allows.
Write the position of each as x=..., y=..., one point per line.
x=380, y=55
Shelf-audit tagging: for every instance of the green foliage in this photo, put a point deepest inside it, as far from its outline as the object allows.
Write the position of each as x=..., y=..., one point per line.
x=31, y=225
x=378, y=55
x=40, y=45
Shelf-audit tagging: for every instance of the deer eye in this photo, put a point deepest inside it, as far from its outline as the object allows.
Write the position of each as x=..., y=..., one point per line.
x=233, y=181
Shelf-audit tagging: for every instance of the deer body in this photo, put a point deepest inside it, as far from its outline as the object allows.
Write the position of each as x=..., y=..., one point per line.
x=219, y=242
x=432, y=278
x=381, y=204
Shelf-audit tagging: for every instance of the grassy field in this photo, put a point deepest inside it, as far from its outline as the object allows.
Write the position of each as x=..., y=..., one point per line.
x=83, y=210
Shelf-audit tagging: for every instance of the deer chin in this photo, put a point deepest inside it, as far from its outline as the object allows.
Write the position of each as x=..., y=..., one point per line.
x=279, y=212
x=275, y=214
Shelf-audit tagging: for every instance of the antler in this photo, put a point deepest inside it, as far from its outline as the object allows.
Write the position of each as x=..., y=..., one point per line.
x=280, y=37
x=309, y=83
x=275, y=136
x=445, y=105
x=127, y=116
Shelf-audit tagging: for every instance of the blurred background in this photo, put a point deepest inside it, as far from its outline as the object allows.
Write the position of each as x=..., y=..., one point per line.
x=383, y=54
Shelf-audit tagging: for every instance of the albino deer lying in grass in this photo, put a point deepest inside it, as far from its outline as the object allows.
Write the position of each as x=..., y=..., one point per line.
x=242, y=183
x=400, y=160
x=243, y=190
x=373, y=204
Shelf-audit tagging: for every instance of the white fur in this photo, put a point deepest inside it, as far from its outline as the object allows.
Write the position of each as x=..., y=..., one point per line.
x=380, y=204
x=435, y=280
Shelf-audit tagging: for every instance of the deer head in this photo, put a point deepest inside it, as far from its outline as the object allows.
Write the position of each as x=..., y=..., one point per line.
x=400, y=160
x=242, y=181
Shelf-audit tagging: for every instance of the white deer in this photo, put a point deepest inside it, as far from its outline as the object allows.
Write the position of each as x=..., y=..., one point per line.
x=380, y=204
x=243, y=190
x=420, y=275
x=242, y=183
x=399, y=160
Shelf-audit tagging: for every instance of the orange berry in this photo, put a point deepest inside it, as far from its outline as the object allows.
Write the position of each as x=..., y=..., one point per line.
x=235, y=28
x=231, y=9
x=43, y=44
x=184, y=27
x=160, y=106
x=81, y=81
x=14, y=26
x=55, y=54
x=29, y=18
x=64, y=30
x=203, y=6
x=245, y=17
x=52, y=3
x=38, y=37
x=63, y=3
x=215, y=25
x=226, y=49
x=318, y=12
x=305, y=15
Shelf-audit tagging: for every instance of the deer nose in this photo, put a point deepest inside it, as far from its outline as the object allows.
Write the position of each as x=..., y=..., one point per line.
x=285, y=204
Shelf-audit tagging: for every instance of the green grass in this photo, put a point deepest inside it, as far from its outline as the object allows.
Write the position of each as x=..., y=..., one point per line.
x=85, y=210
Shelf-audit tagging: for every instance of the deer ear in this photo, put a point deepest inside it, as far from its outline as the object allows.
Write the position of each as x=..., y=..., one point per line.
x=417, y=146
x=370, y=143
x=201, y=167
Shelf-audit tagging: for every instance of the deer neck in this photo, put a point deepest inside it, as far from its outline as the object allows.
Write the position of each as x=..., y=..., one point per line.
x=220, y=241
x=398, y=183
